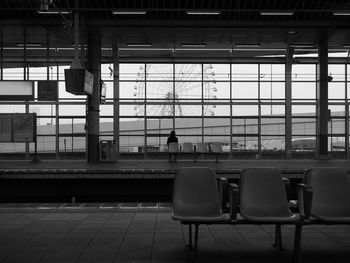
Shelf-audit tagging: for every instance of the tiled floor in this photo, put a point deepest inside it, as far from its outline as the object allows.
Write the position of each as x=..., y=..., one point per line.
x=78, y=235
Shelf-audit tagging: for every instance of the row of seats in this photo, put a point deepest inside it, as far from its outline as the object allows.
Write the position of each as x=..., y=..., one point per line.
x=260, y=198
x=199, y=148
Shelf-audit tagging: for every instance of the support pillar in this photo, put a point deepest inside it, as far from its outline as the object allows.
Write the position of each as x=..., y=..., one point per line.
x=93, y=111
x=2, y=55
x=231, y=112
x=258, y=154
x=288, y=105
x=116, y=97
x=346, y=113
x=322, y=97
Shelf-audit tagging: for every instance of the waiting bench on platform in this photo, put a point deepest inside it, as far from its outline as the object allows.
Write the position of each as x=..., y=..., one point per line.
x=262, y=200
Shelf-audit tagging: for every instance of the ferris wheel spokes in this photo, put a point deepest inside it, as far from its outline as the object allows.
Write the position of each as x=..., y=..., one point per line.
x=187, y=85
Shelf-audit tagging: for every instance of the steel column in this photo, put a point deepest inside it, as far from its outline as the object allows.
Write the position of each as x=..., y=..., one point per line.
x=93, y=118
x=346, y=113
x=2, y=55
x=57, y=131
x=231, y=112
x=202, y=100
x=145, y=113
x=322, y=97
x=258, y=155
x=288, y=105
x=116, y=97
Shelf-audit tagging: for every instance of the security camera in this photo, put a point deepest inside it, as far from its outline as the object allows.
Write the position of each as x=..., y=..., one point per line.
x=330, y=78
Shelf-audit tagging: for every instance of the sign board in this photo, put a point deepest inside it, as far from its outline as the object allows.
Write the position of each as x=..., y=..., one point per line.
x=103, y=91
x=47, y=90
x=23, y=127
x=5, y=128
x=16, y=90
x=18, y=127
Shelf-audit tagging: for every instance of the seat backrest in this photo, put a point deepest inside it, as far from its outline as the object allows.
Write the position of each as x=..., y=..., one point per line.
x=202, y=147
x=262, y=193
x=195, y=193
x=173, y=147
x=331, y=191
x=187, y=147
x=216, y=147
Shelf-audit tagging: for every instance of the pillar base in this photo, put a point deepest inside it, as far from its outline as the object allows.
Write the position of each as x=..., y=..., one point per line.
x=288, y=155
x=92, y=154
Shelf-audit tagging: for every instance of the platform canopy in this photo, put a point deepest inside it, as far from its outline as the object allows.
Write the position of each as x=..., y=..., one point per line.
x=221, y=28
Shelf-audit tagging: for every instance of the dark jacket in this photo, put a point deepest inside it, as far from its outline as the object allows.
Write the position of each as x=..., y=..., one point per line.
x=171, y=139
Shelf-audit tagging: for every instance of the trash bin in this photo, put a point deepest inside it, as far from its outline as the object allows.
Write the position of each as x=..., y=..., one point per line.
x=108, y=151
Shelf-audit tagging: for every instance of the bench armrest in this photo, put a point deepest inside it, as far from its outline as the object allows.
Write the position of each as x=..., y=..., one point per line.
x=286, y=180
x=305, y=193
x=223, y=193
x=287, y=186
x=233, y=200
x=293, y=203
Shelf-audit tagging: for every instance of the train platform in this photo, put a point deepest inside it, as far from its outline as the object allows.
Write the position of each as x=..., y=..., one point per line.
x=159, y=168
x=124, y=180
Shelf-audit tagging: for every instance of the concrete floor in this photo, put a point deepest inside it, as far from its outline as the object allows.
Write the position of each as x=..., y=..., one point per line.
x=66, y=235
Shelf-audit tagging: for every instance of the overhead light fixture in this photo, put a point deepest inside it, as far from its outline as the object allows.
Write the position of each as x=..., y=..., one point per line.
x=346, y=45
x=259, y=49
x=143, y=49
x=276, y=13
x=193, y=44
x=28, y=48
x=53, y=12
x=341, y=13
x=29, y=45
x=80, y=45
x=129, y=12
x=203, y=12
x=139, y=44
x=302, y=45
x=252, y=45
x=292, y=32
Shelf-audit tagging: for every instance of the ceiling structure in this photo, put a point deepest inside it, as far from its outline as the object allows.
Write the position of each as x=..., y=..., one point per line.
x=231, y=28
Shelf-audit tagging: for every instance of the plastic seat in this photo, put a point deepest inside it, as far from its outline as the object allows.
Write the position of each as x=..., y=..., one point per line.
x=262, y=200
x=263, y=196
x=202, y=147
x=216, y=148
x=196, y=199
x=187, y=147
x=331, y=194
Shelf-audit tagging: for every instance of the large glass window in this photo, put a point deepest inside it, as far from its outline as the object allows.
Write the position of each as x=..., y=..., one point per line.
x=243, y=106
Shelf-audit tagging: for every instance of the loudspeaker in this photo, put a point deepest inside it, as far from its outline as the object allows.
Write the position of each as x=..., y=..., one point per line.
x=78, y=81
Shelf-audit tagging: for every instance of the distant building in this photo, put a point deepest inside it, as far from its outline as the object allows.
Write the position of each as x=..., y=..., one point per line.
x=244, y=134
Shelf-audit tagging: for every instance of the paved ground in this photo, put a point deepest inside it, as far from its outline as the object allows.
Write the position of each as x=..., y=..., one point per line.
x=98, y=235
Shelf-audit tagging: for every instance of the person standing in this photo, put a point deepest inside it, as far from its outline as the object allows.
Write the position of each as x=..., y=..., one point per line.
x=172, y=138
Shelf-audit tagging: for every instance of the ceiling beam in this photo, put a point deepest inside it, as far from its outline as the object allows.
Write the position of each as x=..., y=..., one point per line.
x=210, y=24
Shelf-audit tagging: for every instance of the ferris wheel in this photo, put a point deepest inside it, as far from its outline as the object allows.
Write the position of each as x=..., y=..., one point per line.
x=187, y=86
